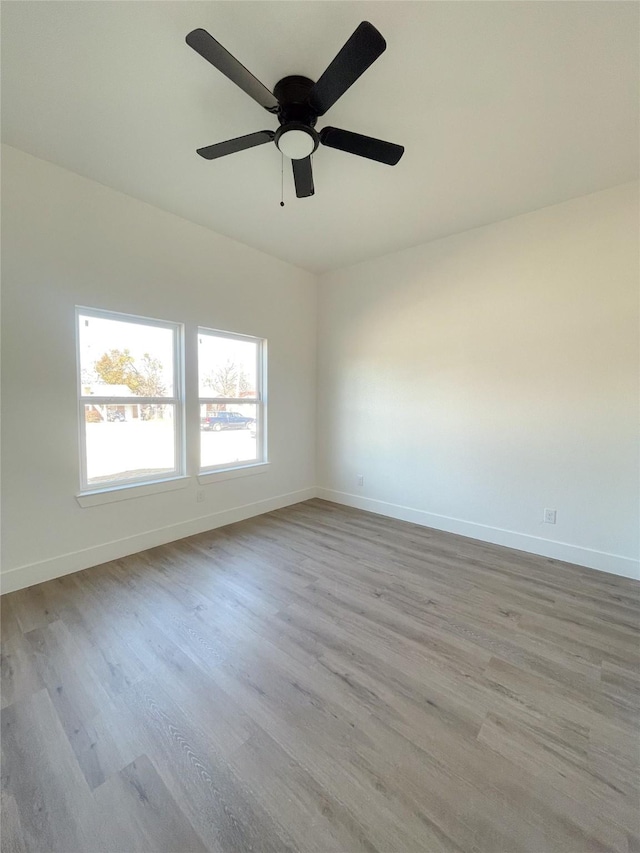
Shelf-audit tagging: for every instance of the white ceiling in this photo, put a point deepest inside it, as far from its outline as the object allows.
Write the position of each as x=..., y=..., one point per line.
x=503, y=107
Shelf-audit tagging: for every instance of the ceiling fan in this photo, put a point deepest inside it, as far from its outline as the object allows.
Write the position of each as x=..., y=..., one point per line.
x=298, y=103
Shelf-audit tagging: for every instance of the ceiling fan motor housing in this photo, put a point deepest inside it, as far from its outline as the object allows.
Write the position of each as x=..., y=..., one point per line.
x=292, y=94
x=295, y=137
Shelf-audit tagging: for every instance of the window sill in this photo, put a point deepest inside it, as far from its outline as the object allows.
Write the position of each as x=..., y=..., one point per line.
x=207, y=477
x=124, y=493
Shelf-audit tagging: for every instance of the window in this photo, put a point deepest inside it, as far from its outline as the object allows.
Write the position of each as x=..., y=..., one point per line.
x=231, y=389
x=130, y=399
x=132, y=408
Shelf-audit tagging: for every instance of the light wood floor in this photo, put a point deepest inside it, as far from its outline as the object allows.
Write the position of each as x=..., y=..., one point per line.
x=321, y=679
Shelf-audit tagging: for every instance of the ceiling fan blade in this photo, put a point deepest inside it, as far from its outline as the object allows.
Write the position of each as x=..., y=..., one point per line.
x=221, y=149
x=303, y=177
x=220, y=58
x=363, y=146
x=360, y=51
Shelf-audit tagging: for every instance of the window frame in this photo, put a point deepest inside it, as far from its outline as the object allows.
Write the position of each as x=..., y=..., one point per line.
x=177, y=400
x=260, y=402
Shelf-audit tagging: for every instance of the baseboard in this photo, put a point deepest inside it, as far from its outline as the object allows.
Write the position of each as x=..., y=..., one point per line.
x=75, y=561
x=33, y=573
x=592, y=559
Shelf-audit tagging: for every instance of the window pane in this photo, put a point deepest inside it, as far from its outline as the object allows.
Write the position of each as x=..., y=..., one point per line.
x=118, y=358
x=228, y=435
x=129, y=442
x=226, y=366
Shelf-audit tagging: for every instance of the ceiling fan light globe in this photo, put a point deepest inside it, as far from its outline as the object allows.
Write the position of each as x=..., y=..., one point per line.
x=296, y=144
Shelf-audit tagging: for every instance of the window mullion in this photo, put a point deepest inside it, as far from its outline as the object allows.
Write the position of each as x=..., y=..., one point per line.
x=130, y=401
x=236, y=401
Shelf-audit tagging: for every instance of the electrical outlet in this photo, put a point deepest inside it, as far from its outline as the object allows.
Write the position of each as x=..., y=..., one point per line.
x=361, y=479
x=549, y=516
x=200, y=495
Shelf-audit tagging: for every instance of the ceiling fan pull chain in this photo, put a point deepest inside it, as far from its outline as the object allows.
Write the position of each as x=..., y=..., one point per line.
x=281, y=179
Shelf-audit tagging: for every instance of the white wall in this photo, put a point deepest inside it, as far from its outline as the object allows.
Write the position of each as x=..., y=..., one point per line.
x=472, y=381
x=478, y=379
x=67, y=241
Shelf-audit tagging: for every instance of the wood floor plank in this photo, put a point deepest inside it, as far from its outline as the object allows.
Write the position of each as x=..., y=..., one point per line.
x=316, y=818
x=614, y=755
x=11, y=834
x=533, y=748
x=20, y=676
x=31, y=608
x=90, y=621
x=323, y=680
x=40, y=771
x=140, y=815
x=216, y=803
